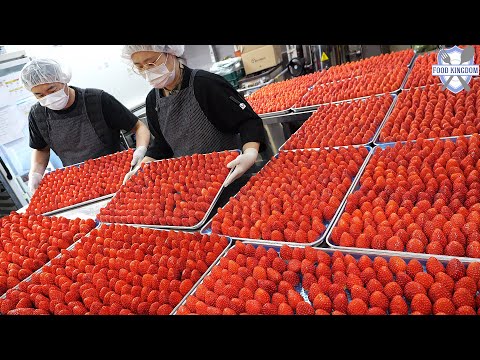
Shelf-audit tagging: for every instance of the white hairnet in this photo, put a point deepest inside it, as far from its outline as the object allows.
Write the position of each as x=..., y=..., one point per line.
x=43, y=71
x=129, y=50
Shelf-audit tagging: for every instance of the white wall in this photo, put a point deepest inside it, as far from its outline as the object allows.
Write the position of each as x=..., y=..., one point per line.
x=95, y=66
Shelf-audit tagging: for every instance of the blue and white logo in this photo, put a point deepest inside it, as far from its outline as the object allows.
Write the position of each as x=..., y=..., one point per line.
x=456, y=68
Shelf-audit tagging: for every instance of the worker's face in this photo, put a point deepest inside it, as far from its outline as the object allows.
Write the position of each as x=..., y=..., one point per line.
x=145, y=60
x=45, y=89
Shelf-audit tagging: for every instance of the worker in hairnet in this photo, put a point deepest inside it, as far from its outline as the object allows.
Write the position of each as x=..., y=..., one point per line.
x=194, y=111
x=78, y=124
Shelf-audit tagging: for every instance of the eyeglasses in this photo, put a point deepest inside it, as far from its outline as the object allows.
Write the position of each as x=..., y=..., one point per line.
x=140, y=70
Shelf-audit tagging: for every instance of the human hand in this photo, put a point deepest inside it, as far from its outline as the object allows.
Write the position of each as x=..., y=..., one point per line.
x=138, y=155
x=242, y=163
x=34, y=179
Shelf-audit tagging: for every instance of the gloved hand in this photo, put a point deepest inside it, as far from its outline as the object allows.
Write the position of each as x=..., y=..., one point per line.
x=242, y=163
x=138, y=155
x=131, y=173
x=34, y=179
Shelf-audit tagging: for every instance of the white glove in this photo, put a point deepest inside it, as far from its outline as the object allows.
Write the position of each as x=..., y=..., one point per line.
x=242, y=163
x=138, y=155
x=131, y=173
x=34, y=179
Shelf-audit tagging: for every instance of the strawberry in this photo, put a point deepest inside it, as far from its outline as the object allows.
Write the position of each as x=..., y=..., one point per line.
x=278, y=298
x=396, y=264
x=304, y=308
x=421, y=303
x=434, y=265
x=357, y=307
x=445, y=306
x=375, y=311
x=367, y=274
x=434, y=247
x=293, y=298
x=269, y=309
x=378, y=299
x=279, y=265
x=291, y=277
x=324, y=283
x=284, y=309
x=308, y=280
x=467, y=283
x=364, y=262
x=307, y=266
x=321, y=312
x=323, y=270
x=259, y=272
x=334, y=290
x=413, y=288
x=285, y=252
x=374, y=285
x=398, y=306
x=359, y=292
x=465, y=310
x=338, y=313
x=414, y=267
x=340, y=278
x=463, y=297
x=322, y=301
x=438, y=291
x=338, y=265
x=269, y=286
x=284, y=286
x=455, y=269
x=446, y=281
x=454, y=248
x=340, y=303
x=384, y=275
x=425, y=279
x=253, y=307
x=237, y=305
x=353, y=279
x=392, y=289
x=473, y=249
x=323, y=257
x=473, y=271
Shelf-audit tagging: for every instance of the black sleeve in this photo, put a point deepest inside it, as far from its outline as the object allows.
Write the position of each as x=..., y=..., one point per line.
x=116, y=115
x=227, y=109
x=159, y=148
x=36, y=139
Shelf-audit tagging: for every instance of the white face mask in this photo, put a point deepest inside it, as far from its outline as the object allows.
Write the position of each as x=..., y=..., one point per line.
x=159, y=76
x=55, y=101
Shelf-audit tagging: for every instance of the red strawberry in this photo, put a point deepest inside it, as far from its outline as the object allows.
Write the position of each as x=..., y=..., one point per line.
x=304, y=308
x=323, y=257
x=253, y=307
x=422, y=304
x=364, y=262
x=375, y=311
x=462, y=297
x=359, y=292
x=334, y=290
x=454, y=248
x=274, y=275
x=398, y=306
x=324, y=283
x=278, y=298
x=353, y=269
x=338, y=313
x=415, y=245
x=323, y=270
x=378, y=262
x=285, y=309
x=238, y=305
x=284, y=286
x=340, y=303
x=378, y=299
x=307, y=266
x=413, y=288
x=353, y=279
x=446, y=281
x=467, y=283
x=402, y=278
x=357, y=307
x=291, y=277
x=473, y=249
x=268, y=286
x=434, y=247
x=285, y=252
x=414, y=267
x=465, y=310
x=455, y=269
x=434, y=265
x=367, y=274
x=338, y=265
x=311, y=254
x=294, y=265
x=269, y=309
x=397, y=264
x=445, y=306
x=384, y=275
x=392, y=289
x=473, y=271
x=425, y=279
x=308, y=280
x=323, y=302
x=374, y=285
x=293, y=298
x=321, y=312
x=340, y=278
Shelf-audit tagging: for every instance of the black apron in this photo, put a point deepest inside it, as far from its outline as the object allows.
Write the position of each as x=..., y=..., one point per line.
x=186, y=128
x=73, y=137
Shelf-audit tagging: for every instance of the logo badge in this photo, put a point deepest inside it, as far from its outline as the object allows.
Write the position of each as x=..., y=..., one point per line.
x=455, y=68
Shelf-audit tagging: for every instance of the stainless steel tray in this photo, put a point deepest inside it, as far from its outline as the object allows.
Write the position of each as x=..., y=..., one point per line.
x=89, y=211
x=208, y=230
x=187, y=228
x=299, y=288
x=377, y=132
x=66, y=208
x=275, y=113
x=355, y=186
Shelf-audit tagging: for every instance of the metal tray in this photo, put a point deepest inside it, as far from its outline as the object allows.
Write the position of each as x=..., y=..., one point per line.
x=85, y=212
x=208, y=230
x=299, y=288
x=377, y=132
x=355, y=186
x=410, y=64
x=78, y=205
x=183, y=228
x=275, y=113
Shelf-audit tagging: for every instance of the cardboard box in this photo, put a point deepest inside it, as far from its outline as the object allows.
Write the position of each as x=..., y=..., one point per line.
x=261, y=58
x=247, y=48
